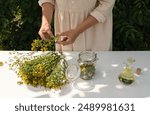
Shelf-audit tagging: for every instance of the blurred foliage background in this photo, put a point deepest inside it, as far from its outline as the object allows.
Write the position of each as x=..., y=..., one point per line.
x=20, y=21
x=131, y=25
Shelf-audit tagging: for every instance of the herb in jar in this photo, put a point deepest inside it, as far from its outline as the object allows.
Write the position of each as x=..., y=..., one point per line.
x=87, y=64
x=87, y=71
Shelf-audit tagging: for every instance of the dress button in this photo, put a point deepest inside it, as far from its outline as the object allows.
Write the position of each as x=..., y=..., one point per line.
x=72, y=1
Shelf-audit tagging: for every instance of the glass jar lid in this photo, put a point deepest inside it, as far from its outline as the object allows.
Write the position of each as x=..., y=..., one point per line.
x=83, y=85
x=87, y=56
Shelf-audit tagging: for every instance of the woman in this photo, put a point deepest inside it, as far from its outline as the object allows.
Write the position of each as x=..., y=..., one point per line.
x=82, y=24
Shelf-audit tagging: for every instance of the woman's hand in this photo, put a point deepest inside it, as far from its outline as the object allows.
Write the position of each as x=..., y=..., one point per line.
x=47, y=12
x=68, y=37
x=45, y=31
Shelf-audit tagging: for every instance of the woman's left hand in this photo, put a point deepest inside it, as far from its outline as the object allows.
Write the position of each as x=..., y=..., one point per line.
x=68, y=37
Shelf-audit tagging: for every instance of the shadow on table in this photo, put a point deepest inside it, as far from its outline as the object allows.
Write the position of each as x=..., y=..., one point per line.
x=118, y=90
x=43, y=96
x=106, y=88
x=35, y=89
x=55, y=93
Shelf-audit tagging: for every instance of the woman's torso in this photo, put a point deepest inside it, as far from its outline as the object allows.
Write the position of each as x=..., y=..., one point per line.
x=71, y=13
x=75, y=5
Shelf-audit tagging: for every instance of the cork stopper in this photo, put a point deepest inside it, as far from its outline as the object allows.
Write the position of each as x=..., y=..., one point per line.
x=138, y=71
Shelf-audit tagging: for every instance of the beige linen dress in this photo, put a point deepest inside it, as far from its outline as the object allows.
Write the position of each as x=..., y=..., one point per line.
x=70, y=13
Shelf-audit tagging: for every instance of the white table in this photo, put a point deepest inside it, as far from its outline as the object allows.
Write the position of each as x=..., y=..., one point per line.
x=106, y=83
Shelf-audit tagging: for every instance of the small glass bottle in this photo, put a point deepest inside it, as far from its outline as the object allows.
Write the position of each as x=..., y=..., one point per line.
x=127, y=76
x=87, y=61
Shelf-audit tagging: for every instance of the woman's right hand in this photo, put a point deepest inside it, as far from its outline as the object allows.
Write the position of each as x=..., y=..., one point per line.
x=45, y=31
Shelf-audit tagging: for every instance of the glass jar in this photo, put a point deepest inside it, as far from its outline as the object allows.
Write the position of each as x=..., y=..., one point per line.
x=87, y=61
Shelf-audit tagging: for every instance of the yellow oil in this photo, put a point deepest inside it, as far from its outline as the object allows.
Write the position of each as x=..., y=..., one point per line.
x=125, y=80
x=127, y=77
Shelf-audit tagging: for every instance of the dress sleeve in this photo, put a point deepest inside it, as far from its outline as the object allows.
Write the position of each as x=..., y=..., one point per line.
x=44, y=1
x=103, y=10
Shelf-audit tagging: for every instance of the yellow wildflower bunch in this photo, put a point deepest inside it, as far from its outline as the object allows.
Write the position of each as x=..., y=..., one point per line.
x=46, y=70
x=44, y=45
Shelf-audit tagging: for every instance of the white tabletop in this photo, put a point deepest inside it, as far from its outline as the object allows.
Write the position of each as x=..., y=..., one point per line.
x=105, y=83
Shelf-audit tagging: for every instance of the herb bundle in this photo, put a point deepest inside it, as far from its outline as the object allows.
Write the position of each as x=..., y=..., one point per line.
x=1, y=63
x=46, y=70
x=44, y=45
